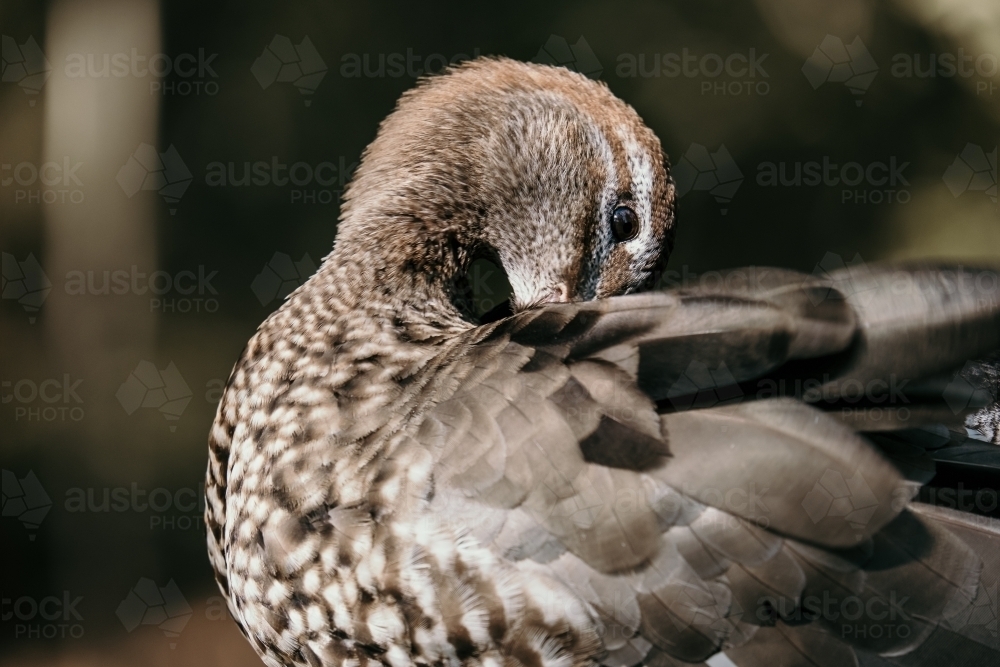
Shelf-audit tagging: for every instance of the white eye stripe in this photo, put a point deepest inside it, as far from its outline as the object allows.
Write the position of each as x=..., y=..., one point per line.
x=604, y=241
x=641, y=171
x=627, y=165
x=610, y=169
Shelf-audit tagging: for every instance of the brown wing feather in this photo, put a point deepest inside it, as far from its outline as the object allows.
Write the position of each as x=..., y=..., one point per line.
x=645, y=516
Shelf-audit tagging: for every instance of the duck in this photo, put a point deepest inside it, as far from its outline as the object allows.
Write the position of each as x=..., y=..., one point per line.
x=596, y=474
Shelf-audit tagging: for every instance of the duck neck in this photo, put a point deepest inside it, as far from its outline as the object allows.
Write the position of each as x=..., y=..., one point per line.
x=403, y=271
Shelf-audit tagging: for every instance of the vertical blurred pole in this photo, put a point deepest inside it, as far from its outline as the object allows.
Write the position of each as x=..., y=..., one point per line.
x=100, y=120
x=99, y=338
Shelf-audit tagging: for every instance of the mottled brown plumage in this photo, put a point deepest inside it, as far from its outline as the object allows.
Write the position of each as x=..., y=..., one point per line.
x=983, y=377
x=391, y=482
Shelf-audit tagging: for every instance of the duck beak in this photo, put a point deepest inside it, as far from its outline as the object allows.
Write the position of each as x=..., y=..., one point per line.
x=559, y=294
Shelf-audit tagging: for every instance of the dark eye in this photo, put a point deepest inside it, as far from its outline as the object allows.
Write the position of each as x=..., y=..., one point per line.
x=624, y=224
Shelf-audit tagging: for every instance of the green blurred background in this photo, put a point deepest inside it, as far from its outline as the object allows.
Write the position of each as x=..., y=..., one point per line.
x=113, y=393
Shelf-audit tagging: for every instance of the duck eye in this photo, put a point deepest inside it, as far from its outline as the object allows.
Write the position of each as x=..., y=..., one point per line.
x=624, y=224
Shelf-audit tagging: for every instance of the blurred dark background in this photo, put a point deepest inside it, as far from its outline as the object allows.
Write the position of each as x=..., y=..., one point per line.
x=148, y=226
